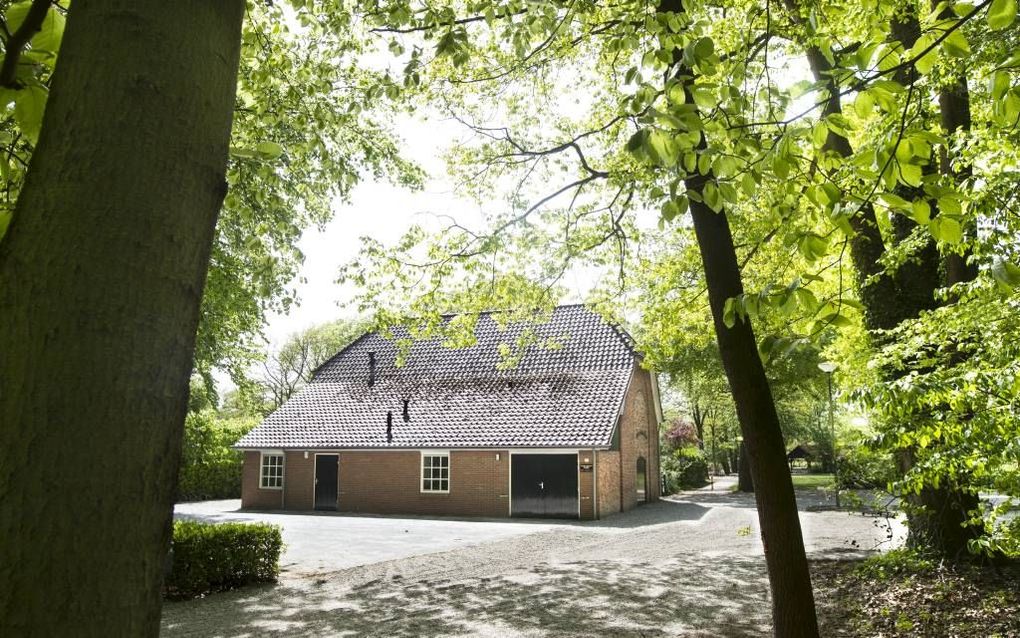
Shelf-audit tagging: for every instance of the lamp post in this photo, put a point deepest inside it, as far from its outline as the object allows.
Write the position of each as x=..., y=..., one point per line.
x=828, y=367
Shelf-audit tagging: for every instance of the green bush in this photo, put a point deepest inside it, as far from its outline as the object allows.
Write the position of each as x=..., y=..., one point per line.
x=210, y=469
x=686, y=468
x=209, y=557
x=862, y=467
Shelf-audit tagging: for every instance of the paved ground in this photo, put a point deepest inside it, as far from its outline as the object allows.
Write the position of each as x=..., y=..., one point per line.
x=328, y=542
x=688, y=566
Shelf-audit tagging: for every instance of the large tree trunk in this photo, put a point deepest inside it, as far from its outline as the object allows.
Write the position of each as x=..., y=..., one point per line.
x=939, y=517
x=744, y=481
x=793, y=606
x=936, y=517
x=101, y=274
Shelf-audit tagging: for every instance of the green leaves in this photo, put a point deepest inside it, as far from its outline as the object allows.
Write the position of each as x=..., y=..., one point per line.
x=269, y=150
x=674, y=207
x=956, y=43
x=946, y=228
x=711, y=196
x=654, y=146
x=812, y=246
x=1005, y=274
x=925, y=62
x=454, y=45
x=29, y=106
x=1001, y=14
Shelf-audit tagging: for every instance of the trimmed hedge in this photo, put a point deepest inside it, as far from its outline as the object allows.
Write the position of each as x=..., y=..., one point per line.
x=208, y=557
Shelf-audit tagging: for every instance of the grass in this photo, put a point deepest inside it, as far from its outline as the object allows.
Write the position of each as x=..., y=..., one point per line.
x=813, y=481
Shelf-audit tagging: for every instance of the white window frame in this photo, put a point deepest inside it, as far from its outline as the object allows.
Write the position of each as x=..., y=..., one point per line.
x=263, y=467
x=421, y=472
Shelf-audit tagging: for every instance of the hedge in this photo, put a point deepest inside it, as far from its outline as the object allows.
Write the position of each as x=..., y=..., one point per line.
x=207, y=557
x=210, y=468
x=686, y=468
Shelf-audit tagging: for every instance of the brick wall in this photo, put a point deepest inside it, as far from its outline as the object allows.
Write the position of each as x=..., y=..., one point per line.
x=586, y=484
x=389, y=483
x=251, y=495
x=638, y=436
x=299, y=481
x=608, y=483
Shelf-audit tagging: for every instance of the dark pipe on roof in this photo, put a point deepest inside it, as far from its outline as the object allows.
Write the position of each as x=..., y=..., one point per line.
x=371, y=369
x=407, y=414
x=389, y=427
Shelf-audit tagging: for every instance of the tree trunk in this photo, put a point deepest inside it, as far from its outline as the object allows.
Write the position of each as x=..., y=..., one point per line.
x=745, y=483
x=939, y=517
x=936, y=517
x=793, y=605
x=101, y=275
x=793, y=611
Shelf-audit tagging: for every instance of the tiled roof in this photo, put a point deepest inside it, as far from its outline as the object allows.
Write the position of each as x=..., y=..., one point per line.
x=565, y=396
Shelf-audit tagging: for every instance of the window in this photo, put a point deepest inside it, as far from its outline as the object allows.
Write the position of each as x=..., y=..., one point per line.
x=435, y=472
x=272, y=471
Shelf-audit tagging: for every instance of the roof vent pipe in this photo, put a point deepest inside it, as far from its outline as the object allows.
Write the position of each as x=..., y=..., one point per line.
x=389, y=427
x=371, y=369
x=407, y=415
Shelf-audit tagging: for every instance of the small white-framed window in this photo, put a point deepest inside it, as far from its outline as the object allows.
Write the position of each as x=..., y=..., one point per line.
x=271, y=476
x=435, y=472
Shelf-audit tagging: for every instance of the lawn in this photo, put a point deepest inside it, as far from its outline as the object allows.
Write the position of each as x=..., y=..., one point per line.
x=812, y=481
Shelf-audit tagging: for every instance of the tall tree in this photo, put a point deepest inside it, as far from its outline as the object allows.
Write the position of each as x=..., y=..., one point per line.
x=101, y=277
x=286, y=370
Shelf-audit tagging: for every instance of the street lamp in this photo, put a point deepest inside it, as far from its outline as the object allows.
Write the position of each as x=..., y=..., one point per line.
x=828, y=367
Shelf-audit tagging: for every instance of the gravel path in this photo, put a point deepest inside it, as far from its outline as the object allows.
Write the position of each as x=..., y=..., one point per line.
x=688, y=566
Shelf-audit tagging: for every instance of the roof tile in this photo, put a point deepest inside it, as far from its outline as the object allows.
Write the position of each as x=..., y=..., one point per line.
x=459, y=398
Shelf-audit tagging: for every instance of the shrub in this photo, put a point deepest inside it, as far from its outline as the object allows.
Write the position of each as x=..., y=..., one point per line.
x=862, y=467
x=210, y=469
x=210, y=557
x=686, y=468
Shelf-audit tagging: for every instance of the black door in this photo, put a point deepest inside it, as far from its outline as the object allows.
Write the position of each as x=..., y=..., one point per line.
x=544, y=485
x=326, y=466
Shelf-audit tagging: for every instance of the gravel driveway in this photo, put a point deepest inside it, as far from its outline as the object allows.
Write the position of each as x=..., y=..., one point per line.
x=328, y=542
x=691, y=565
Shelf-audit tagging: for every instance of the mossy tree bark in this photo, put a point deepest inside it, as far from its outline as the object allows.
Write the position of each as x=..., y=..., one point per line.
x=101, y=275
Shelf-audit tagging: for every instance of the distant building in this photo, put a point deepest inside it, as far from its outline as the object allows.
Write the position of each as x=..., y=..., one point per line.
x=571, y=431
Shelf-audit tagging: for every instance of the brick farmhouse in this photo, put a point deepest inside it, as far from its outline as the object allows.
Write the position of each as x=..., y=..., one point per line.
x=570, y=431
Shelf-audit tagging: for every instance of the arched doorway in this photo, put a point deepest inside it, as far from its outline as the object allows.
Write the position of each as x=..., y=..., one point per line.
x=640, y=481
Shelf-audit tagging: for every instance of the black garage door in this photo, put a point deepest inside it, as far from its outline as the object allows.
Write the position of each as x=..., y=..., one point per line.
x=543, y=485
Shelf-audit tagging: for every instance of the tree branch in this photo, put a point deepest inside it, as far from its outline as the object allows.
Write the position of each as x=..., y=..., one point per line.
x=19, y=39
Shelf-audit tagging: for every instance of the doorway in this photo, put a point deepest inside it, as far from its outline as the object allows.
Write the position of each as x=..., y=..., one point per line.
x=326, y=481
x=543, y=485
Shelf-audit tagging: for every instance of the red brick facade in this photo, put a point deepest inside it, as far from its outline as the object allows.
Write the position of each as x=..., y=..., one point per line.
x=389, y=481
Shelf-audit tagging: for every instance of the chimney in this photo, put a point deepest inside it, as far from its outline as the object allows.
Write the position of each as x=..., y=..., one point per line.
x=371, y=369
x=389, y=427
x=407, y=415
